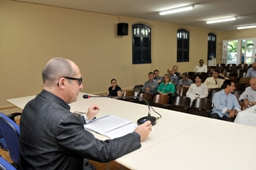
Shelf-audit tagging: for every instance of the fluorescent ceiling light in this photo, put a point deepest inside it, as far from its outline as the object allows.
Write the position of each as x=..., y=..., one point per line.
x=221, y=20
x=246, y=27
x=175, y=10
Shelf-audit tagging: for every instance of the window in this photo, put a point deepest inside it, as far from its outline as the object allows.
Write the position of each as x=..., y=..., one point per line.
x=239, y=51
x=141, y=44
x=211, y=46
x=182, y=45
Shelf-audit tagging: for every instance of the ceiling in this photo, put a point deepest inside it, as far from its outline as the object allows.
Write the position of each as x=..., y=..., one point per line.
x=244, y=10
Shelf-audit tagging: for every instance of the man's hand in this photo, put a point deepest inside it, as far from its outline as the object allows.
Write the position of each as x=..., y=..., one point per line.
x=247, y=103
x=92, y=111
x=147, y=90
x=143, y=130
x=232, y=114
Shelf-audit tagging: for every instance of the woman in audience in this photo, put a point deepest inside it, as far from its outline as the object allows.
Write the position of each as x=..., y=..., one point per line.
x=197, y=89
x=166, y=87
x=114, y=89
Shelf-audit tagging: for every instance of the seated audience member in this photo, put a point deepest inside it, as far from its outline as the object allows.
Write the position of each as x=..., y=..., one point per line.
x=197, y=89
x=52, y=137
x=151, y=85
x=175, y=71
x=157, y=77
x=114, y=89
x=166, y=87
x=184, y=81
x=214, y=81
x=248, y=97
x=201, y=67
x=173, y=77
x=225, y=104
x=251, y=72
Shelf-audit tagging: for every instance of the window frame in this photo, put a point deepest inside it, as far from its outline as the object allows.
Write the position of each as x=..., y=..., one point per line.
x=183, y=38
x=141, y=44
x=212, y=45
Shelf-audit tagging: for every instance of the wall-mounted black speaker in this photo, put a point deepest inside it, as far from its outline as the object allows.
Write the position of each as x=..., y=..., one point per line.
x=122, y=29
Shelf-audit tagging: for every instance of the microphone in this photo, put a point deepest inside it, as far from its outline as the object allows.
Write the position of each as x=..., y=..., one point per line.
x=140, y=121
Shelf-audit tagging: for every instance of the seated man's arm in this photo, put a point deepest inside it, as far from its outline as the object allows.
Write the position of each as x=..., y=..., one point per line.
x=153, y=88
x=73, y=140
x=244, y=98
x=144, y=87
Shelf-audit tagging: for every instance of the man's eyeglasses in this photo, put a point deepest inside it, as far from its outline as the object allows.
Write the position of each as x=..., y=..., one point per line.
x=79, y=80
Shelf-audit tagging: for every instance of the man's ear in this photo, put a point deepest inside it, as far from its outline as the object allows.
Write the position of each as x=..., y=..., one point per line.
x=61, y=83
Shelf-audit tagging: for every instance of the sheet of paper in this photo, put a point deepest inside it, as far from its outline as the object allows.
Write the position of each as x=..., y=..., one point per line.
x=121, y=131
x=106, y=124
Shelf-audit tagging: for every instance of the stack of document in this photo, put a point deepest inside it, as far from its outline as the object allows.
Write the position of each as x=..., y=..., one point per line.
x=111, y=126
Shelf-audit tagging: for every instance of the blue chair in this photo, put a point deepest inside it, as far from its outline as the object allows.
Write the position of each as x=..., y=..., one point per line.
x=10, y=131
x=2, y=141
x=4, y=165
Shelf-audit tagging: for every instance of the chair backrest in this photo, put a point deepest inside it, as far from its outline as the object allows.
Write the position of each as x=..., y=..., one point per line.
x=203, y=74
x=11, y=132
x=146, y=96
x=201, y=107
x=161, y=99
x=235, y=79
x=191, y=75
x=234, y=68
x=137, y=88
x=223, y=70
x=242, y=66
x=237, y=93
x=239, y=73
x=238, y=86
x=245, y=80
x=229, y=74
x=4, y=165
x=182, y=101
x=182, y=91
x=2, y=141
x=220, y=64
x=128, y=93
x=202, y=103
x=212, y=92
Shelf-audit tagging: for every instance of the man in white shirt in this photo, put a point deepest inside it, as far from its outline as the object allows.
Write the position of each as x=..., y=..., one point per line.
x=201, y=67
x=214, y=81
x=248, y=97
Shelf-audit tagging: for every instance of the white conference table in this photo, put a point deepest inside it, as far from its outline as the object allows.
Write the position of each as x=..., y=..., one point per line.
x=178, y=141
x=247, y=117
